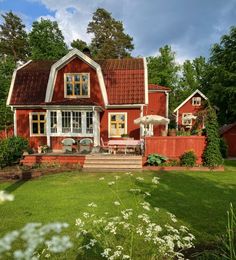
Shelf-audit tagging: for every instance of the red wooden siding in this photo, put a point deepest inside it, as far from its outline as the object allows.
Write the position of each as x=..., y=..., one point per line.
x=132, y=129
x=189, y=108
x=230, y=138
x=174, y=146
x=78, y=66
x=157, y=106
x=23, y=128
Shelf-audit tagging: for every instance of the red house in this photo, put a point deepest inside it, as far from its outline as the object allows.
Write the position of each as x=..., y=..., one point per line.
x=186, y=112
x=79, y=97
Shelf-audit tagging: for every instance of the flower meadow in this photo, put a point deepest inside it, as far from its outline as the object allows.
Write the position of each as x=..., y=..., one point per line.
x=121, y=233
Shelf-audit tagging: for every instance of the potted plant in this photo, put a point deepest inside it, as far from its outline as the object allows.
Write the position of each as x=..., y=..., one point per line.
x=172, y=132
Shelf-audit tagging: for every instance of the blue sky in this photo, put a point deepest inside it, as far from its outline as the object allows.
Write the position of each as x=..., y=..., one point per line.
x=189, y=26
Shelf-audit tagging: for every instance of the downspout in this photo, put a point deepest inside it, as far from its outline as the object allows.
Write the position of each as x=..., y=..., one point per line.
x=167, y=108
x=14, y=121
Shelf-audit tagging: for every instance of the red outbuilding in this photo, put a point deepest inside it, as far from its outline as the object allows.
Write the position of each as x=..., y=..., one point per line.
x=228, y=132
x=79, y=97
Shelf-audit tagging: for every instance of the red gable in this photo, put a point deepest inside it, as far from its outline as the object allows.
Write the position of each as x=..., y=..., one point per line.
x=124, y=82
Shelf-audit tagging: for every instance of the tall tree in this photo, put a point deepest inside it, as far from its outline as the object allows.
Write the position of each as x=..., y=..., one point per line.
x=221, y=77
x=13, y=37
x=109, y=39
x=46, y=40
x=79, y=44
x=163, y=69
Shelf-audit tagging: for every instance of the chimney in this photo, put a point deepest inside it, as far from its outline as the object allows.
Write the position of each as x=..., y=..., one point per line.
x=87, y=52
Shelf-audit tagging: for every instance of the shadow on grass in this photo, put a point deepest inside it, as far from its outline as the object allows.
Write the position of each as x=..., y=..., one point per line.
x=15, y=186
x=231, y=164
x=199, y=202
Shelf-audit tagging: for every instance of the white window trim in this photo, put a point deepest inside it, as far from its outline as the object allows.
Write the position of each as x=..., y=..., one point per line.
x=76, y=96
x=186, y=114
x=109, y=123
x=31, y=126
x=70, y=134
x=195, y=99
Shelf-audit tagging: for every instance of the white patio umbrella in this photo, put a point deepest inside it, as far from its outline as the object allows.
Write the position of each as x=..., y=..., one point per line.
x=152, y=119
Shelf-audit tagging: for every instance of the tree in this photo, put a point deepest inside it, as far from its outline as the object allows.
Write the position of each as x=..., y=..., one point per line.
x=212, y=156
x=46, y=40
x=109, y=39
x=163, y=69
x=79, y=44
x=220, y=82
x=13, y=37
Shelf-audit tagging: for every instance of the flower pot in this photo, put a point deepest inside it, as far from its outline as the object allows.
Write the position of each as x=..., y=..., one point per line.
x=172, y=132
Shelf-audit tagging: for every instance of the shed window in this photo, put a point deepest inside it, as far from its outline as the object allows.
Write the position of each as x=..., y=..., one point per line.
x=196, y=101
x=186, y=119
x=76, y=85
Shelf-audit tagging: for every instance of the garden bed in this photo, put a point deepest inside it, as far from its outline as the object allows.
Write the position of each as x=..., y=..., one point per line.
x=182, y=168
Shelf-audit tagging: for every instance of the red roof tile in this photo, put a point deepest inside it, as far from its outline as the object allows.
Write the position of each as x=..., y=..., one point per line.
x=124, y=81
x=226, y=128
x=157, y=87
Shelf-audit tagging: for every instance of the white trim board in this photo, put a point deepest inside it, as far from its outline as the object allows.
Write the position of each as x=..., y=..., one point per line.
x=188, y=98
x=68, y=57
x=13, y=81
x=145, y=80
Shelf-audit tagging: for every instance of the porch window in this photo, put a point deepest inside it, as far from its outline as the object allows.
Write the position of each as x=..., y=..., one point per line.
x=77, y=85
x=38, y=123
x=196, y=101
x=117, y=124
x=76, y=122
x=186, y=120
x=53, y=121
x=66, y=122
x=89, y=122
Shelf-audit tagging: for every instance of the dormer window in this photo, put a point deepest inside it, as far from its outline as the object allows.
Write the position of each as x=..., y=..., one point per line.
x=196, y=101
x=77, y=85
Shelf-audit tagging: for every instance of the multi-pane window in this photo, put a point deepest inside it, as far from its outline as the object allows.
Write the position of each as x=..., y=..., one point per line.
x=117, y=124
x=196, y=101
x=66, y=121
x=89, y=122
x=187, y=119
x=38, y=123
x=76, y=122
x=53, y=121
x=77, y=85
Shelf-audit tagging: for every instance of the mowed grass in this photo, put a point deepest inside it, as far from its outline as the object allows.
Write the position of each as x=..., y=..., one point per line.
x=199, y=200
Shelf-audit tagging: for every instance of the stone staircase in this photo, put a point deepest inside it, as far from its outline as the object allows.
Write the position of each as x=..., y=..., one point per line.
x=112, y=163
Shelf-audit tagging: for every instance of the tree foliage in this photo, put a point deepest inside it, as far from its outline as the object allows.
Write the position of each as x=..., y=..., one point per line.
x=79, y=44
x=13, y=37
x=221, y=77
x=46, y=40
x=212, y=155
x=109, y=39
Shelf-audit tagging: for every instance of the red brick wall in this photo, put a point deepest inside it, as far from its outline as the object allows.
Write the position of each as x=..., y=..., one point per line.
x=230, y=138
x=174, y=146
x=78, y=66
x=132, y=129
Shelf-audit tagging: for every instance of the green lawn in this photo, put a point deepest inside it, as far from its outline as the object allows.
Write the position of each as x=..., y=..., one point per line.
x=198, y=199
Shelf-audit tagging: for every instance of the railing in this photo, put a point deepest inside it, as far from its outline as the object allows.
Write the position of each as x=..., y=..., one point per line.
x=174, y=146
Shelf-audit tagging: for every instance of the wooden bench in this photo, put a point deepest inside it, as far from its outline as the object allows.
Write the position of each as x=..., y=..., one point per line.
x=124, y=145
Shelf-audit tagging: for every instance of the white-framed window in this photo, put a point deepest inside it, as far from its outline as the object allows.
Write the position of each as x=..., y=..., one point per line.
x=53, y=121
x=37, y=123
x=187, y=119
x=89, y=122
x=76, y=122
x=196, y=101
x=117, y=124
x=77, y=85
x=66, y=121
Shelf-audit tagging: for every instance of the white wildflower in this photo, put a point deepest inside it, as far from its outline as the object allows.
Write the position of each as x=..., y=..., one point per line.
x=135, y=190
x=172, y=217
x=117, y=203
x=92, y=205
x=117, y=177
x=59, y=244
x=155, y=180
x=79, y=222
x=145, y=205
x=156, y=209
x=140, y=179
x=111, y=183
x=5, y=196
x=106, y=252
x=86, y=215
x=126, y=257
x=101, y=179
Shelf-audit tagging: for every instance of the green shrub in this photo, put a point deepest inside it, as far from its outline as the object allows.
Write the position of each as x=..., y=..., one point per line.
x=11, y=150
x=212, y=156
x=188, y=159
x=156, y=159
x=223, y=148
